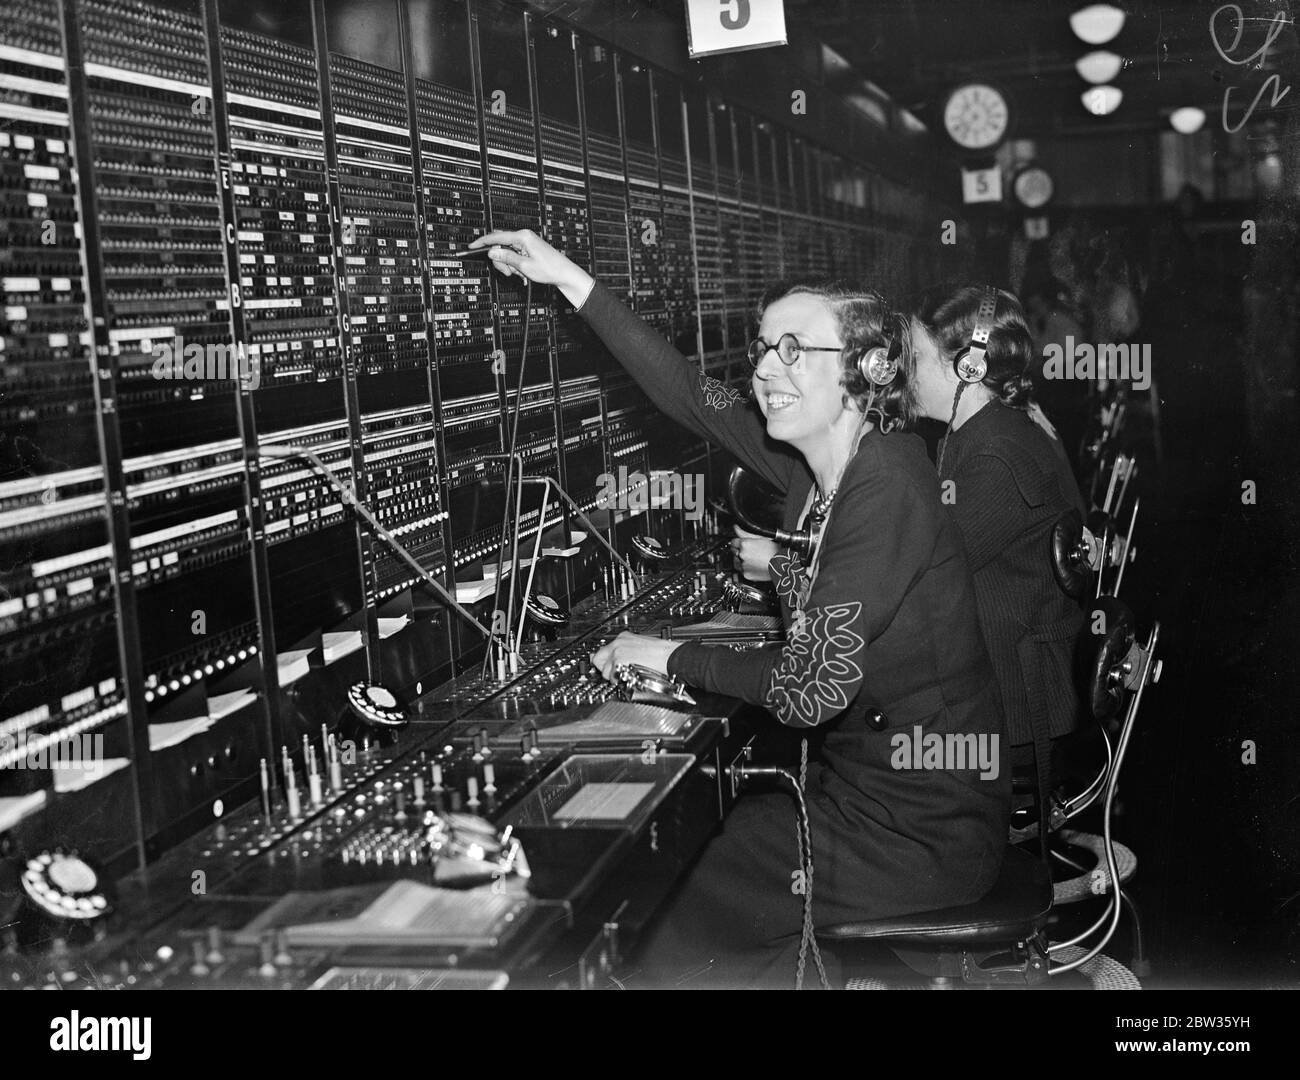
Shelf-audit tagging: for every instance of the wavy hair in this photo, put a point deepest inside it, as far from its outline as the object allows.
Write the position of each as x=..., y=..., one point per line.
x=947, y=312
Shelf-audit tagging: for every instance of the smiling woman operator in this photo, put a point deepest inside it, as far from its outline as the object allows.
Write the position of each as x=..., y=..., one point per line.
x=883, y=642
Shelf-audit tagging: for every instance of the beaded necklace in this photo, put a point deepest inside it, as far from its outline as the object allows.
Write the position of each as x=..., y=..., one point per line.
x=817, y=515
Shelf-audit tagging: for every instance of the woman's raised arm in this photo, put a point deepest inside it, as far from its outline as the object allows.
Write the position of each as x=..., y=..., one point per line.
x=674, y=384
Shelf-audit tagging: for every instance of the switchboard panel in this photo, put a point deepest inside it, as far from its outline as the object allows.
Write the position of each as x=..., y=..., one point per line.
x=237, y=233
x=63, y=682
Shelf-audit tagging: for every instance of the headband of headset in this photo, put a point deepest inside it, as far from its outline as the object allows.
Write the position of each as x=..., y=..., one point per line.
x=972, y=363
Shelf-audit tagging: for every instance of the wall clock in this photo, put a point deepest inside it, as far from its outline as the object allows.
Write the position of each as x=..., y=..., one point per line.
x=976, y=116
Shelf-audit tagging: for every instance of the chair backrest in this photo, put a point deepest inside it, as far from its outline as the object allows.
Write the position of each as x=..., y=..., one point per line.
x=1114, y=670
x=1111, y=632
x=1091, y=558
x=1072, y=556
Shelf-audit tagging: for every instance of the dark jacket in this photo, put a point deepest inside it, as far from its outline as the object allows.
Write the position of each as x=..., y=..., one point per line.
x=1010, y=483
x=890, y=624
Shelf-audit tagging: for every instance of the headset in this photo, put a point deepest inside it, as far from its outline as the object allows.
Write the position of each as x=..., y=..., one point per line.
x=971, y=363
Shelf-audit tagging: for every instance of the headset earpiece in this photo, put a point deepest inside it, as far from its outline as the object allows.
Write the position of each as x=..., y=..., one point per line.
x=971, y=364
x=878, y=365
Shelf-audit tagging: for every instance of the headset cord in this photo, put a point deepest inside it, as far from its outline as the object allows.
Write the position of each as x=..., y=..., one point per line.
x=803, y=839
x=808, y=937
x=943, y=449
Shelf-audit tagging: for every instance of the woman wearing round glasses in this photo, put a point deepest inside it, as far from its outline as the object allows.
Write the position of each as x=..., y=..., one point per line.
x=883, y=644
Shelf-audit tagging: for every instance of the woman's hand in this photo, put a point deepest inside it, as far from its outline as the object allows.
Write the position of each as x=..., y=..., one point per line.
x=628, y=648
x=528, y=255
x=753, y=553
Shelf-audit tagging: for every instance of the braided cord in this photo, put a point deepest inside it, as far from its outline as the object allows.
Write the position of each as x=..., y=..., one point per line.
x=956, y=400
x=804, y=836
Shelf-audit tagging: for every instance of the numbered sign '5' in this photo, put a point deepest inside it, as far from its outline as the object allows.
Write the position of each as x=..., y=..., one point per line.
x=718, y=26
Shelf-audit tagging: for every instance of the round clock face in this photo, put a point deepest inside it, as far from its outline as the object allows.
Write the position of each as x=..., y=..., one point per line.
x=976, y=116
x=1033, y=187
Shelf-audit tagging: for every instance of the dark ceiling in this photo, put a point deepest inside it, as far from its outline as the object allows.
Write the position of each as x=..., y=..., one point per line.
x=919, y=49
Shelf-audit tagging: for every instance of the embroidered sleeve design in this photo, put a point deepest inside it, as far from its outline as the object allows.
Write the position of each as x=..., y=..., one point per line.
x=717, y=396
x=788, y=575
x=820, y=670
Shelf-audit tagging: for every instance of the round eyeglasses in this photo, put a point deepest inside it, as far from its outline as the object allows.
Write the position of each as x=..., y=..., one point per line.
x=788, y=350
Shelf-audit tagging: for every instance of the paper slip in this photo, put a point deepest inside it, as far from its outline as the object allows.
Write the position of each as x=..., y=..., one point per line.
x=162, y=736
x=293, y=665
x=82, y=774
x=13, y=810
x=339, y=643
x=604, y=802
x=222, y=705
x=470, y=592
x=576, y=539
